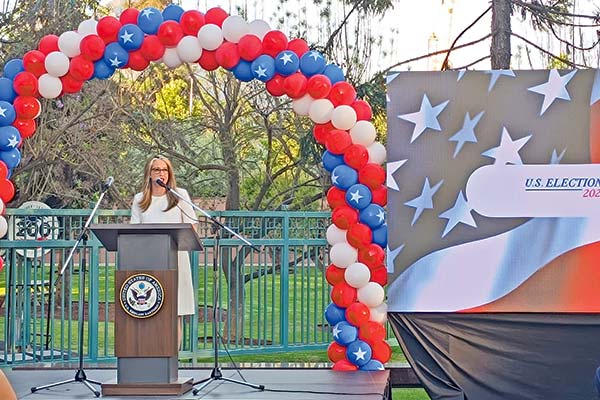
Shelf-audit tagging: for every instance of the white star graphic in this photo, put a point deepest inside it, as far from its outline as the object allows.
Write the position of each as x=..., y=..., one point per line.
x=391, y=256
x=424, y=200
x=461, y=73
x=115, y=62
x=359, y=354
x=261, y=72
x=508, y=150
x=126, y=36
x=466, y=133
x=497, y=73
x=13, y=142
x=425, y=118
x=286, y=58
x=147, y=13
x=555, y=88
x=336, y=331
x=315, y=55
x=355, y=196
x=381, y=216
x=459, y=213
x=392, y=167
x=3, y=111
x=334, y=178
x=555, y=159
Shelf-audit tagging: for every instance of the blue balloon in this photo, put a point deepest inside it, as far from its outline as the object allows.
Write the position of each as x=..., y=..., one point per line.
x=373, y=215
x=312, y=63
x=7, y=113
x=11, y=158
x=287, y=62
x=344, y=333
x=263, y=68
x=334, y=73
x=172, y=12
x=130, y=37
x=102, y=70
x=13, y=67
x=335, y=314
x=330, y=160
x=373, y=365
x=243, y=71
x=359, y=352
x=115, y=56
x=380, y=236
x=358, y=196
x=344, y=176
x=9, y=173
x=149, y=19
x=9, y=138
x=7, y=92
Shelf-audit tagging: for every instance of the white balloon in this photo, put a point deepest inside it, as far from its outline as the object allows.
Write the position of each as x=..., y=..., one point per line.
x=343, y=254
x=343, y=117
x=259, y=28
x=3, y=226
x=377, y=153
x=363, y=132
x=357, y=275
x=2, y=207
x=320, y=111
x=234, y=27
x=335, y=235
x=302, y=105
x=171, y=58
x=210, y=37
x=372, y=294
x=49, y=86
x=379, y=313
x=189, y=49
x=68, y=43
x=87, y=27
x=57, y=63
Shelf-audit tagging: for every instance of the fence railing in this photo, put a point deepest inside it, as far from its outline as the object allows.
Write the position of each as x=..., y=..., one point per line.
x=270, y=300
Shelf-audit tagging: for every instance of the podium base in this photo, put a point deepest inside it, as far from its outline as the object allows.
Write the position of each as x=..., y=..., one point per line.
x=176, y=388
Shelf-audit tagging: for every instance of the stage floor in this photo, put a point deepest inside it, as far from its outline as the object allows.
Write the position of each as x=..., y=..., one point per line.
x=291, y=384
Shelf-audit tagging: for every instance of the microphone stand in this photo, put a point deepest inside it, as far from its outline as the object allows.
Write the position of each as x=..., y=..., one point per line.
x=216, y=374
x=80, y=375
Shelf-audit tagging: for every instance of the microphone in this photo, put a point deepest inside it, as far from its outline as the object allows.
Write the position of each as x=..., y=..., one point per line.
x=108, y=183
x=160, y=183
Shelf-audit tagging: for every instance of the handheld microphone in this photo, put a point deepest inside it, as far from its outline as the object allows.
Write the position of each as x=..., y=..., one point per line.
x=108, y=183
x=160, y=183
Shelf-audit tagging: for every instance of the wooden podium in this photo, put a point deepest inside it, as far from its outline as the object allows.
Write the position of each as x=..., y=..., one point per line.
x=146, y=306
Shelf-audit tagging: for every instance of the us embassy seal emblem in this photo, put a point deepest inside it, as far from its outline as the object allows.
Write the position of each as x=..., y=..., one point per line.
x=141, y=295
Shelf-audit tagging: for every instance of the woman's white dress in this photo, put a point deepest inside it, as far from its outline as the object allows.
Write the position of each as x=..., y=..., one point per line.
x=155, y=214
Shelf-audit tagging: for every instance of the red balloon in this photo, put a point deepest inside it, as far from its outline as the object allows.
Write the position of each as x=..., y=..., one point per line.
x=108, y=27
x=343, y=294
x=356, y=156
x=70, y=84
x=2, y=265
x=170, y=33
x=81, y=68
x=250, y=47
x=344, y=365
x=336, y=352
x=334, y=274
x=359, y=235
x=371, y=332
x=321, y=132
x=275, y=85
x=336, y=197
x=152, y=48
x=26, y=127
x=227, y=55
x=7, y=190
x=129, y=16
x=298, y=46
x=216, y=15
x=274, y=42
x=379, y=275
x=27, y=107
x=48, y=44
x=371, y=255
x=26, y=84
x=381, y=351
x=208, y=60
x=338, y=141
x=342, y=93
x=191, y=21
x=344, y=217
x=363, y=110
x=295, y=85
x=3, y=170
x=33, y=61
x=92, y=47
x=137, y=61
x=371, y=175
x=357, y=313
x=379, y=195
x=318, y=86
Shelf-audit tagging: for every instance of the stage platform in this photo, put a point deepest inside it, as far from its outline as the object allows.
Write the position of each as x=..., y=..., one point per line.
x=289, y=383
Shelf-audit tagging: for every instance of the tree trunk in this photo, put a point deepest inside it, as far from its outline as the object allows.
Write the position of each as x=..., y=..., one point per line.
x=500, y=48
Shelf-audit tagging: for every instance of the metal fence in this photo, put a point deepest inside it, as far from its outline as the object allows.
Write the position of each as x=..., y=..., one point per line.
x=270, y=300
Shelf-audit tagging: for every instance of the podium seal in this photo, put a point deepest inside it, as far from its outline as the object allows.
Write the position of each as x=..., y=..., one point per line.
x=141, y=296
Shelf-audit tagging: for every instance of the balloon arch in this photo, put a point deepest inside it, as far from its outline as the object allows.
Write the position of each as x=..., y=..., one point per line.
x=358, y=235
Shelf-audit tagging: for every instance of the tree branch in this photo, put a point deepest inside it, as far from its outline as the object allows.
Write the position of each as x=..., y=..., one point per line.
x=445, y=63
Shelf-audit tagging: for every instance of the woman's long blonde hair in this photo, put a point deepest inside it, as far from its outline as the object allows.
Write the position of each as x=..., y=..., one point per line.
x=147, y=184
